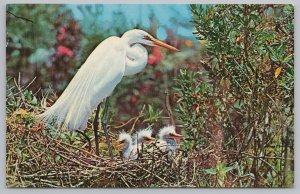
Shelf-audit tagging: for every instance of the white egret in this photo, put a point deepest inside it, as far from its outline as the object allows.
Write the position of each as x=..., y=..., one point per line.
x=112, y=59
x=167, y=139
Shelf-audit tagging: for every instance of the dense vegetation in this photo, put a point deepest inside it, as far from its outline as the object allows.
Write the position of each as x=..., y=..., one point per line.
x=231, y=96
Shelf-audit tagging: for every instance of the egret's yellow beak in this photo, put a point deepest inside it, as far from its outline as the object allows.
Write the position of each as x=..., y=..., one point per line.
x=162, y=44
x=120, y=146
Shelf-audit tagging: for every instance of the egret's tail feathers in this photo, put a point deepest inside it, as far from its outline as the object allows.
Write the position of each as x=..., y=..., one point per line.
x=67, y=114
x=74, y=107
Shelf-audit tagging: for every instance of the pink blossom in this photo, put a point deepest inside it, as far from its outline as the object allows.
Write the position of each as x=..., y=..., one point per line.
x=156, y=52
x=156, y=56
x=64, y=51
x=62, y=30
x=151, y=59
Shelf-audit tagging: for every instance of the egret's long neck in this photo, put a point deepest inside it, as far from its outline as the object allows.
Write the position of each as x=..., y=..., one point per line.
x=136, y=59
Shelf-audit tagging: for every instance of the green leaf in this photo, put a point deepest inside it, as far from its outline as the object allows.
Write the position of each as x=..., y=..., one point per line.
x=227, y=169
x=274, y=58
x=211, y=171
x=288, y=58
x=34, y=101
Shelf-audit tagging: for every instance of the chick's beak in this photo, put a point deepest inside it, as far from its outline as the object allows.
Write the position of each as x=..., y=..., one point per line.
x=162, y=44
x=120, y=146
x=149, y=139
x=174, y=136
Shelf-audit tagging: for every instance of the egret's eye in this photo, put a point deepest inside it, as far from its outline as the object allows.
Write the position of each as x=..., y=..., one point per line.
x=147, y=37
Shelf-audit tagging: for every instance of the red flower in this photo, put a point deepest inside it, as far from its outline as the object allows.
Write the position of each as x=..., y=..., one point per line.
x=151, y=59
x=62, y=30
x=156, y=52
x=155, y=57
x=64, y=51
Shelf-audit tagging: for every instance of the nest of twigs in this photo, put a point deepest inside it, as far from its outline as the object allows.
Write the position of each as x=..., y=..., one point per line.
x=35, y=159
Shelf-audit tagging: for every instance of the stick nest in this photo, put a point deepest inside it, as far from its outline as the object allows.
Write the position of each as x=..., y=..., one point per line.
x=36, y=159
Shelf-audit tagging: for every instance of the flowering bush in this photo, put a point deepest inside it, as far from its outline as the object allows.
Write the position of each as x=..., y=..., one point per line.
x=64, y=61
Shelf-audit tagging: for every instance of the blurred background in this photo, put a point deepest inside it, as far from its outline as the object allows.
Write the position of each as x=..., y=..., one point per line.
x=48, y=43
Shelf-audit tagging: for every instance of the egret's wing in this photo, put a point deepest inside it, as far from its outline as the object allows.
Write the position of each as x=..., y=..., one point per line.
x=94, y=81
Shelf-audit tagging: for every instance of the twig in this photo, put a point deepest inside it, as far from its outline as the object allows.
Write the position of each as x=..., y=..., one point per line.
x=137, y=118
x=20, y=17
x=22, y=89
x=150, y=173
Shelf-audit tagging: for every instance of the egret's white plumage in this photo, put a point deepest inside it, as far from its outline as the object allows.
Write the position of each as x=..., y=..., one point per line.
x=143, y=139
x=129, y=151
x=104, y=68
x=94, y=81
x=132, y=146
x=139, y=136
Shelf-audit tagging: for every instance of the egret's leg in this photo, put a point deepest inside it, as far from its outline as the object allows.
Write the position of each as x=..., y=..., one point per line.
x=104, y=125
x=96, y=128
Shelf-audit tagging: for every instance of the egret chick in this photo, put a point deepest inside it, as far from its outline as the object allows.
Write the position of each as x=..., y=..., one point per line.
x=142, y=138
x=125, y=146
x=167, y=139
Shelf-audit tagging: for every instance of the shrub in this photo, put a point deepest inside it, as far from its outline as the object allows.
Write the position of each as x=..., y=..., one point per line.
x=244, y=111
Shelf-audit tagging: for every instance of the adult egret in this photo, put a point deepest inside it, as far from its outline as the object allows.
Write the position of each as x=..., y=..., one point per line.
x=167, y=139
x=112, y=59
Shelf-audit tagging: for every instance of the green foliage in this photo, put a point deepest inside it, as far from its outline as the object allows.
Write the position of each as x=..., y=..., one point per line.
x=220, y=172
x=245, y=108
x=18, y=97
x=36, y=33
x=191, y=107
x=31, y=35
x=152, y=114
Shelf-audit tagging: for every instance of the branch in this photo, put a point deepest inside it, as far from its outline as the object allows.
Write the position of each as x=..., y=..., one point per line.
x=20, y=17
